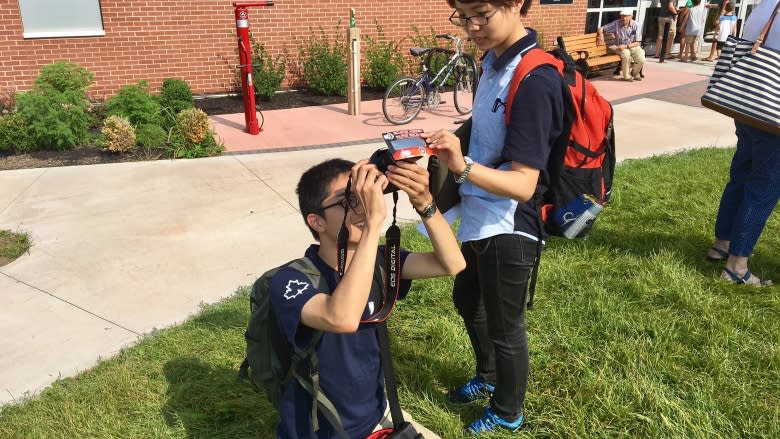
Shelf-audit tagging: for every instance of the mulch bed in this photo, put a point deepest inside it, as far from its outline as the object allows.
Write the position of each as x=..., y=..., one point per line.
x=92, y=154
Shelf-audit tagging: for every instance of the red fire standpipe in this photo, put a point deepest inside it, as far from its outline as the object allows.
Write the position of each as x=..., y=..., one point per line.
x=245, y=58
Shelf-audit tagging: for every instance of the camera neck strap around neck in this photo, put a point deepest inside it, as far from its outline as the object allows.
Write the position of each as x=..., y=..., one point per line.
x=392, y=285
x=392, y=281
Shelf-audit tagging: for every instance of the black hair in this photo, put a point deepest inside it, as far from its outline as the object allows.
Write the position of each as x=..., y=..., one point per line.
x=314, y=185
x=498, y=4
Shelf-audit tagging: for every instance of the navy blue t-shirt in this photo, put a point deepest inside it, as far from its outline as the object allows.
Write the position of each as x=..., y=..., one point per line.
x=350, y=364
x=536, y=121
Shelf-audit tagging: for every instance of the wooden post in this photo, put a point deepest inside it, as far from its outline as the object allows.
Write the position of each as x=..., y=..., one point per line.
x=353, y=65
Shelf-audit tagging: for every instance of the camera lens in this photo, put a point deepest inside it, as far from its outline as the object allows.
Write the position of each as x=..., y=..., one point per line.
x=382, y=159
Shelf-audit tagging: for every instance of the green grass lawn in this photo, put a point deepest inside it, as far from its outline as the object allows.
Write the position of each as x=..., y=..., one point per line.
x=12, y=245
x=632, y=335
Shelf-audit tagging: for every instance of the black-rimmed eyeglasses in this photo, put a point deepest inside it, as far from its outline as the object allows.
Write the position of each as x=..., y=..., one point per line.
x=351, y=202
x=477, y=20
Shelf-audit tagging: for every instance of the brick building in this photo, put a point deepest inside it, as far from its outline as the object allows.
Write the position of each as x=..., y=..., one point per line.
x=126, y=41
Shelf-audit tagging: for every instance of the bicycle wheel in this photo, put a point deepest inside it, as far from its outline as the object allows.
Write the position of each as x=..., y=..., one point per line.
x=465, y=84
x=403, y=101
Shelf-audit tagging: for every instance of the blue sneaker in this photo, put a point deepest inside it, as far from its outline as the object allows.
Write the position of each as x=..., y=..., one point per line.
x=490, y=421
x=473, y=390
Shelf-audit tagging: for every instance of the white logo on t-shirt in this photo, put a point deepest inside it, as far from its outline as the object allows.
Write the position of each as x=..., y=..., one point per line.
x=294, y=289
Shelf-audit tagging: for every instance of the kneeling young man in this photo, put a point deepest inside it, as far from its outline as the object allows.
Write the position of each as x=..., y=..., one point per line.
x=350, y=370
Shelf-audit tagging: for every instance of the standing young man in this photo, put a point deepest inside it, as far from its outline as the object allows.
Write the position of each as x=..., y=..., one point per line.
x=627, y=40
x=504, y=168
x=350, y=371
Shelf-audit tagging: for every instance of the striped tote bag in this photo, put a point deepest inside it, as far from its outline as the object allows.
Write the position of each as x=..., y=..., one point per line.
x=745, y=84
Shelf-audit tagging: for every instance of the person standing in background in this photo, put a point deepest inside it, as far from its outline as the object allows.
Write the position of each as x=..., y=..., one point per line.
x=693, y=27
x=668, y=14
x=725, y=25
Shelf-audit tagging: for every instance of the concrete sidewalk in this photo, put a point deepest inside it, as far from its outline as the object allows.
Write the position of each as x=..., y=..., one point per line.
x=122, y=249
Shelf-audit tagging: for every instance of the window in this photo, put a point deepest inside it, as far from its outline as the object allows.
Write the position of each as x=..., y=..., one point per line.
x=61, y=18
x=601, y=12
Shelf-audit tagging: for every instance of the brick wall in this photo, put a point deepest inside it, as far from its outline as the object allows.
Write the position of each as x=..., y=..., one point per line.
x=195, y=39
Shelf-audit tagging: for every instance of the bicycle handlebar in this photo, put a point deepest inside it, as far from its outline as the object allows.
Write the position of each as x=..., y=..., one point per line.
x=458, y=42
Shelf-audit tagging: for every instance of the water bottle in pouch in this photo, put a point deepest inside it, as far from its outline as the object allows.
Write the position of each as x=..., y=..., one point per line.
x=577, y=216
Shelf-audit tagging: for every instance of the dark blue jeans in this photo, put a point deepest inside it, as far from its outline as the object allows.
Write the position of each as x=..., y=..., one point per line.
x=752, y=191
x=490, y=295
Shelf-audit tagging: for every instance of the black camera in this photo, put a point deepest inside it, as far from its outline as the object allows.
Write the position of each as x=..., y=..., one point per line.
x=383, y=158
x=403, y=145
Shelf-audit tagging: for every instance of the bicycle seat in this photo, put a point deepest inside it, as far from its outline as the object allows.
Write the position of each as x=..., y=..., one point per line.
x=419, y=51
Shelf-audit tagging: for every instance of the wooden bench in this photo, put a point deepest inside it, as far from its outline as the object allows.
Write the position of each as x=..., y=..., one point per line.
x=588, y=56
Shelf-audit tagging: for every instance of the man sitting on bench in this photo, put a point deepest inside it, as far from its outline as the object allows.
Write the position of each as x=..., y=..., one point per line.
x=626, y=44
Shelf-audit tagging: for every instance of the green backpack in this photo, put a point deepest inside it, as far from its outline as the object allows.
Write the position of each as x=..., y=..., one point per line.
x=271, y=363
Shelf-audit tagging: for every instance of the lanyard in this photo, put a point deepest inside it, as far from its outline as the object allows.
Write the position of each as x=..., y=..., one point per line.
x=392, y=267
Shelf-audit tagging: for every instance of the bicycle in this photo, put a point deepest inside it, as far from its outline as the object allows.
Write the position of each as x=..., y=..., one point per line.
x=406, y=96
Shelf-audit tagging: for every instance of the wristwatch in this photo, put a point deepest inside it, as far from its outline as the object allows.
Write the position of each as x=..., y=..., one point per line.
x=429, y=210
x=465, y=175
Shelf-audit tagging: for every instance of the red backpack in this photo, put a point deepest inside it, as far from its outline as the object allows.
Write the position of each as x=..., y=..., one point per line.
x=582, y=159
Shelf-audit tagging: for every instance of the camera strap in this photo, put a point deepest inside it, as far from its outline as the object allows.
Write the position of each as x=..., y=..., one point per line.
x=392, y=281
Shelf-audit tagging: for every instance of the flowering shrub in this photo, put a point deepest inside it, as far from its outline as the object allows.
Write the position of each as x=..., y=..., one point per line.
x=118, y=134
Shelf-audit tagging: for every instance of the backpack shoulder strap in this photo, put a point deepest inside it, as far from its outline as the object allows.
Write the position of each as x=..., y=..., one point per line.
x=320, y=402
x=531, y=60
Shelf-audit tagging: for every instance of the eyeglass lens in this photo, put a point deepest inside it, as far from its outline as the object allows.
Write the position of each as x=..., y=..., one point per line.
x=477, y=20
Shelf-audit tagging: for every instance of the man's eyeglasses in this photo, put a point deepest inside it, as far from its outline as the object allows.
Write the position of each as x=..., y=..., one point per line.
x=477, y=20
x=351, y=202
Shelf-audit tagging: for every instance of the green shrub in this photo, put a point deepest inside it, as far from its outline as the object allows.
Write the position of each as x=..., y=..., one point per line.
x=98, y=112
x=385, y=63
x=118, y=134
x=268, y=74
x=14, y=136
x=55, y=120
x=54, y=114
x=325, y=64
x=136, y=104
x=176, y=95
x=150, y=136
x=65, y=75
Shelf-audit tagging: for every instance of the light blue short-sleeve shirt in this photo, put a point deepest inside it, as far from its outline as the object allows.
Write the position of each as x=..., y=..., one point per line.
x=484, y=214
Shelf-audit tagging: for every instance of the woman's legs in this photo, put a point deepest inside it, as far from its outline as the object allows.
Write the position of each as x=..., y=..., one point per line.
x=467, y=298
x=503, y=265
x=750, y=195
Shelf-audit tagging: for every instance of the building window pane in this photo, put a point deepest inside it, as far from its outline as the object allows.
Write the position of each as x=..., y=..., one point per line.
x=61, y=18
x=591, y=22
x=594, y=3
x=609, y=16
